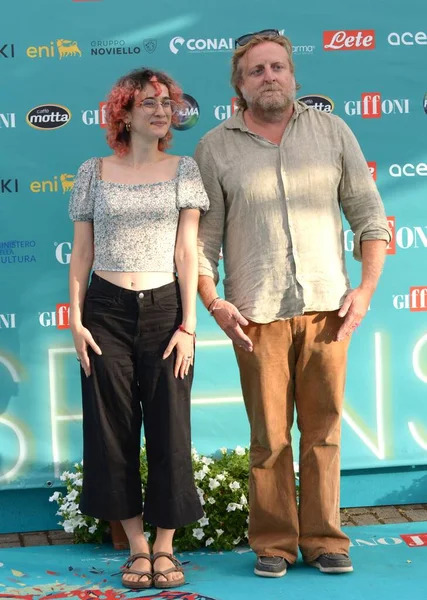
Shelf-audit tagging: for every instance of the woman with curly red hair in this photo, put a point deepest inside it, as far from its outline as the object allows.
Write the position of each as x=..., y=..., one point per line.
x=136, y=216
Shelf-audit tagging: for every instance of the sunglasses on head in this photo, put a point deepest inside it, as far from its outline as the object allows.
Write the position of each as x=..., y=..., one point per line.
x=244, y=39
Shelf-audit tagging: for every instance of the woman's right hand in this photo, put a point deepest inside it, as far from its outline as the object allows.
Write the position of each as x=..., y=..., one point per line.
x=82, y=339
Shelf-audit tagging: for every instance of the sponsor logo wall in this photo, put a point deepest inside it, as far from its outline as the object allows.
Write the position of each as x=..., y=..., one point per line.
x=364, y=66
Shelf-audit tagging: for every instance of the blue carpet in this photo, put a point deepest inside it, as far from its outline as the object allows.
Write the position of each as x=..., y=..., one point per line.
x=386, y=564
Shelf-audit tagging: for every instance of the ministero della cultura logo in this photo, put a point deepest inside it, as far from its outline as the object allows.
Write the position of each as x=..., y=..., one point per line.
x=179, y=43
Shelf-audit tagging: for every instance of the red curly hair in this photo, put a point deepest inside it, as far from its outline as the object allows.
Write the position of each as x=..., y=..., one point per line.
x=121, y=99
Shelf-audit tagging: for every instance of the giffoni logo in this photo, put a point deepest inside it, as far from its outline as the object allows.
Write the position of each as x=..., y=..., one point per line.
x=60, y=49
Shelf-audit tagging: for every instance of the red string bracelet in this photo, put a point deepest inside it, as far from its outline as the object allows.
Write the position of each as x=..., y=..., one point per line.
x=182, y=328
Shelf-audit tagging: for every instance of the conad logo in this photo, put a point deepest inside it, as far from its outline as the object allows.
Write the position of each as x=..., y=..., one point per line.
x=48, y=116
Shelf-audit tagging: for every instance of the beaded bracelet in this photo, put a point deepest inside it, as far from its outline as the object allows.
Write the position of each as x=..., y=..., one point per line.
x=182, y=328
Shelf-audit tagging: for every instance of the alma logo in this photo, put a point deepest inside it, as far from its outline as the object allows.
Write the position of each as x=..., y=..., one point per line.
x=48, y=116
x=319, y=102
x=95, y=117
x=63, y=49
x=371, y=106
x=66, y=180
x=354, y=39
x=188, y=114
x=372, y=166
x=60, y=318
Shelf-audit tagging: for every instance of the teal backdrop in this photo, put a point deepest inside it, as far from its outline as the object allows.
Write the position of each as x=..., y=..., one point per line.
x=365, y=61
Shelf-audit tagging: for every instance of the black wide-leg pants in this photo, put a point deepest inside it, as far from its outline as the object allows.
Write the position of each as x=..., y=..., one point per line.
x=131, y=384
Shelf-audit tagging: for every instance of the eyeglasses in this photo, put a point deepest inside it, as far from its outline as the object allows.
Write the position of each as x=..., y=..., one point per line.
x=149, y=105
x=244, y=39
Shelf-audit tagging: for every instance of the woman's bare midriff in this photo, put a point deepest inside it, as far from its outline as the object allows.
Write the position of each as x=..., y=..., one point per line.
x=137, y=281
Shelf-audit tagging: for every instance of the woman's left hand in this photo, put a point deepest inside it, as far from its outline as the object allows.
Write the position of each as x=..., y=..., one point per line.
x=184, y=344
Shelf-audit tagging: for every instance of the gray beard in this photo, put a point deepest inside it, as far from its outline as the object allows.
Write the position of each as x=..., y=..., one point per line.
x=271, y=110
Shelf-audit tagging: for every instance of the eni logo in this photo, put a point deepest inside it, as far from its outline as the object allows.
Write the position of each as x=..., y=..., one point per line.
x=65, y=180
x=63, y=49
x=48, y=116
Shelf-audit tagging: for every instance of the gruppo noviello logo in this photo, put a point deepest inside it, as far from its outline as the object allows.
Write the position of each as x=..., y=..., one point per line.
x=60, y=49
x=323, y=103
x=188, y=114
x=48, y=116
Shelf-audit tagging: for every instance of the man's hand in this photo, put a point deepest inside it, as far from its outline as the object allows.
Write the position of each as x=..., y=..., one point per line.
x=230, y=320
x=354, y=309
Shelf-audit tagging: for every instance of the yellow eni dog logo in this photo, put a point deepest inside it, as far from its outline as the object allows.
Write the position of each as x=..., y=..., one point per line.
x=65, y=182
x=62, y=49
x=48, y=116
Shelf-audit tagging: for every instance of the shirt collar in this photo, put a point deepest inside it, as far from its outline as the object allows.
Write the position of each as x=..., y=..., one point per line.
x=236, y=121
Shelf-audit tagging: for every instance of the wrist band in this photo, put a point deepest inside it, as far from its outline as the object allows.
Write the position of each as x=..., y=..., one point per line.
x=212, y=304
x=181, y=328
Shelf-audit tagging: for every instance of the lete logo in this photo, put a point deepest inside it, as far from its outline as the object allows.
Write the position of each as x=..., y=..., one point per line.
x=349, y=40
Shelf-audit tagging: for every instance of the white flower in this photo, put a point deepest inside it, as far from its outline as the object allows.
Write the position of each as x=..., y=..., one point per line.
x=65, y=475
x=243, y=500
x=207, y=461
x=68, y=526
x=233, y=506
x=199, y=475
x=203, y=522
x=55, y=497
x=209, y=541
x=92, y=528
x=220, y=477
x=234, y=486
x=223, y=450
x=239, y=451
x=72, y=495
x=198, y=534
x=219, y=532
x=247, y=520
x=205, y=469
x=211, y=500
x=201, y=496
x=78, y=481
x=213, y=484
x=236, y=541
x=74, y=508
x=194, y=454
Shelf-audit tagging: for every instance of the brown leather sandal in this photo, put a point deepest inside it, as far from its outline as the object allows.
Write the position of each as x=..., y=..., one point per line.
x=126, y=569
x=177, y=568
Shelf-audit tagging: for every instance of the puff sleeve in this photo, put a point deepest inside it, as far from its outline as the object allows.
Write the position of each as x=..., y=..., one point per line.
x=81, y=203
x=191, y=192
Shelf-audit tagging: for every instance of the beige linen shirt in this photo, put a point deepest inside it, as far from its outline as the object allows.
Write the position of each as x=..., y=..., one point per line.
x=276, y=212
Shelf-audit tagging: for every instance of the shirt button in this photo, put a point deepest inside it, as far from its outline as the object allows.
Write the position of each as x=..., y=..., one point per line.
x=141, y=295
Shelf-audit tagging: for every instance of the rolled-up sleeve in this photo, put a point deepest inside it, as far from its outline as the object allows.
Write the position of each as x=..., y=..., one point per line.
x=211, y=228
x=359, y=196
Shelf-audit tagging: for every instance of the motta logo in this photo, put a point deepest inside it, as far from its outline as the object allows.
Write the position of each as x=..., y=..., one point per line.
x=7, y=51
x=63, y=182
x=224, y=111
x=408, y=170
x=63, y=252
x=8, y=321
x=402, y=237
x=48, y=116
x=95, y=117
x=8, y=120
x=59, y=318
x=354, y=39
x=407, y=38
x=372, y=166
x=59, y=49
x=415, y=300
x=372, y=106
x=323, y=103
x=188, y=114
x=201, y=44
